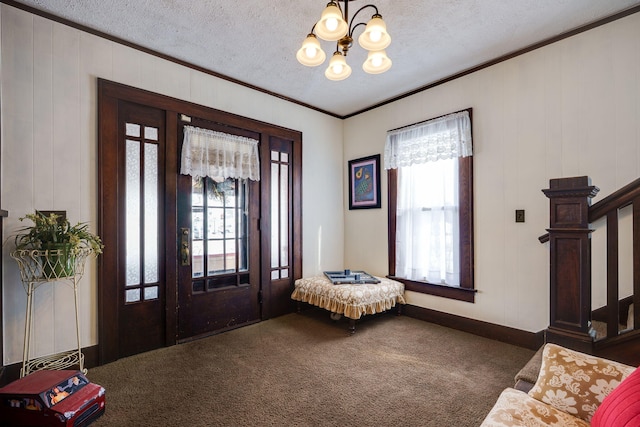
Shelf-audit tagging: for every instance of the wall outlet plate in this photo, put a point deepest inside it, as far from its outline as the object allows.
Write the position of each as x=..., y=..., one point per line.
x=519, y=215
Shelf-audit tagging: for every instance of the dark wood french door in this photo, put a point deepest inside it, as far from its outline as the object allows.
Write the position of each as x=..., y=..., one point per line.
x=139, y=222
x=219, y=243
x=281, y=224
x=188, y=257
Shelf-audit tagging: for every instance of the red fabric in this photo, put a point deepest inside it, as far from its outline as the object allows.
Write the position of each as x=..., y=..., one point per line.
x=621, y=408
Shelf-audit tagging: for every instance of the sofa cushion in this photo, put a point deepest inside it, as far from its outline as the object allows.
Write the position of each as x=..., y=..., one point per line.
x=621, y=408
x=574, y=382
x=515, y=408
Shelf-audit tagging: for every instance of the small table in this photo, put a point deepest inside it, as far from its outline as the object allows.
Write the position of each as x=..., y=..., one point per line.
x=351, y=300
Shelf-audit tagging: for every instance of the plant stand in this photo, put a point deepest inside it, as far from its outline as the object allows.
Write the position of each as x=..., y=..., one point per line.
x=40, y=267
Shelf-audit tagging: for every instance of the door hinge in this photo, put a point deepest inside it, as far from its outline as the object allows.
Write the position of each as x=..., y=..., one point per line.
x=260, y=296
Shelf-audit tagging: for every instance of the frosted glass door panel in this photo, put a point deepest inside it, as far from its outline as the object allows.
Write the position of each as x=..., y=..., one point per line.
x=150, y=212
x=142, y=213
x=133, y=213
x=280, y=213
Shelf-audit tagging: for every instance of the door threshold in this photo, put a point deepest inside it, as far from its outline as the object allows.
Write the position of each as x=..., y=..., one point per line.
x=216, y=332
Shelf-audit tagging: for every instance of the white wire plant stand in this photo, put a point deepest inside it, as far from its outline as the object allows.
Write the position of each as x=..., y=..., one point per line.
x=42, y=267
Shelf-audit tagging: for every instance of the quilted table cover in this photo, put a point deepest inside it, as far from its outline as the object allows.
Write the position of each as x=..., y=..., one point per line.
x=351, y=300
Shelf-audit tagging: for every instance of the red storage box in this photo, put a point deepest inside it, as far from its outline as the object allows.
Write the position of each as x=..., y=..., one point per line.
x=51, y=398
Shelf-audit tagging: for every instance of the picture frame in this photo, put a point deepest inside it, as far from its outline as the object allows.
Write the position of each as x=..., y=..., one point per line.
x=364, y=182
x=62, y=215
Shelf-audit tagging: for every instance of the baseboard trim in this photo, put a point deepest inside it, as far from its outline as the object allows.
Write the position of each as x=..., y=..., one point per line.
x=520, y=338
x=11, y=372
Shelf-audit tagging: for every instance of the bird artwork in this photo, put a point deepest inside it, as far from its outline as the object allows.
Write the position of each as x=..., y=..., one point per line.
x=364, y=184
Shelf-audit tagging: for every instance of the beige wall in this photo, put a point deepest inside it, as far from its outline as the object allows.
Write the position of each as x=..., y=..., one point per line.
x=569, y=109
x=49, y=101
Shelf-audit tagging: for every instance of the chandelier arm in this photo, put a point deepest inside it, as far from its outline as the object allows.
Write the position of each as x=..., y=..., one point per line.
x=351, y=31
x=356, y=14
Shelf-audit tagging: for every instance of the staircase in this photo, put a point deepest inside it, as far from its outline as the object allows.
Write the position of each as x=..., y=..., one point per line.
x=612, y=331
x=599, y=325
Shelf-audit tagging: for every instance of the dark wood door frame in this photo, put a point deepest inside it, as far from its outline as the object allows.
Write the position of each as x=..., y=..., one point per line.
x=109, y=93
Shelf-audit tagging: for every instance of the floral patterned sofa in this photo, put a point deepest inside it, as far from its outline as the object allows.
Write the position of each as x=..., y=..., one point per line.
x=572, y=389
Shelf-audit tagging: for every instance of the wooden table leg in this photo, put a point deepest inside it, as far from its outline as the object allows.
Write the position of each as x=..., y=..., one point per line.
x=352, y=326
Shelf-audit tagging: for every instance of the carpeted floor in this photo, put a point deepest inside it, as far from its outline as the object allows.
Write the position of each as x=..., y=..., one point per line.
x=305, y=370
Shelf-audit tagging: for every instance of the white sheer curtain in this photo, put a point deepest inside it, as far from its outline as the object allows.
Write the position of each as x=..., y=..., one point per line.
x=427, y=216
x=427, y=223
x=443, y=138
x=219, y=155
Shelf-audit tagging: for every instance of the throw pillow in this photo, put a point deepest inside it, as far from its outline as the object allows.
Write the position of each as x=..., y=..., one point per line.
x=621, y=408
x=574, y=382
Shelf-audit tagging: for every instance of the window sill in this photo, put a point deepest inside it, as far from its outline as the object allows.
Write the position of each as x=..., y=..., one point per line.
x=460, y=294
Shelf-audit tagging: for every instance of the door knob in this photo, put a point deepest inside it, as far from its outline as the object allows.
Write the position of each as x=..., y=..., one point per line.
x=185, y=255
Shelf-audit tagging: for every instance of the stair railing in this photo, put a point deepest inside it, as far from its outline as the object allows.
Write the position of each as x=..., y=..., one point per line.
x=570, y=259
x=609, y=208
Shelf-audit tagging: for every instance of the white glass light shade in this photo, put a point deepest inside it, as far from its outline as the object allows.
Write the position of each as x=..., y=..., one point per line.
x=338, y=68
x=375, y=36
x=331, y=26
x=311, y=53
x=377, y=62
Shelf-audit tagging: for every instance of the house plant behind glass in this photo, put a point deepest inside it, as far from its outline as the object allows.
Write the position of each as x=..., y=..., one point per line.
x=62, y=241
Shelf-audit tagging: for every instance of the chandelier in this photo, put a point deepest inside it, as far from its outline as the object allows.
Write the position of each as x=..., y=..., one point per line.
x=334, y=26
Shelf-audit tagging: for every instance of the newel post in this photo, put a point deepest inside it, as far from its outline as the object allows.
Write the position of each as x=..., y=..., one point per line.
x=570, y=262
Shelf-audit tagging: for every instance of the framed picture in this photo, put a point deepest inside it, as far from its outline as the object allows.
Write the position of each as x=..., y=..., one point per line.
x=62, y=215
x=364, y=182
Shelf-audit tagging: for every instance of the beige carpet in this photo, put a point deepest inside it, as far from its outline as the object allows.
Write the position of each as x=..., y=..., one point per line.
x=305, y=370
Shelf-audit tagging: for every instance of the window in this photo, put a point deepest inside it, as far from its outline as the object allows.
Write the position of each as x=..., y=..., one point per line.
x=220, y=229
x=430, y=173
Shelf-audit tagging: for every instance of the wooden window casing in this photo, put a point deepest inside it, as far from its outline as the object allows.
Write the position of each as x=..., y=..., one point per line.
x=466, y=291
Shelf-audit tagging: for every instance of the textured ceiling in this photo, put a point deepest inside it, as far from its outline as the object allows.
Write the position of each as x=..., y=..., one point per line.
x=255, y=42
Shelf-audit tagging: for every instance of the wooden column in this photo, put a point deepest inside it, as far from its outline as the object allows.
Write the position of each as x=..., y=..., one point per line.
x=570, y=262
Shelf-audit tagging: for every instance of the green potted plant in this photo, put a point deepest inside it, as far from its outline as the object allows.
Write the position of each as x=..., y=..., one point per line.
x=62, y=241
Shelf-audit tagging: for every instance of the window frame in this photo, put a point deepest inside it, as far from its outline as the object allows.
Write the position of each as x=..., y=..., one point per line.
x=466, y=291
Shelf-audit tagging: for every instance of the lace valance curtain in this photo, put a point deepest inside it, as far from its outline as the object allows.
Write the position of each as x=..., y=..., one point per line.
x=219, y=155
x=443, y=138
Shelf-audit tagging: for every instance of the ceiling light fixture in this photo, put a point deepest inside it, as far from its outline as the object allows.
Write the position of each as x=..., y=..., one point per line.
x=334, y=26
